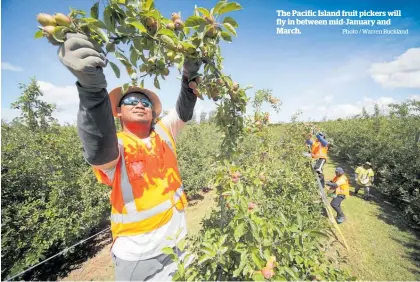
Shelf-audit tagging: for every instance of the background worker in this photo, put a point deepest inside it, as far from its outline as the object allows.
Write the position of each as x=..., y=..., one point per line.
x=319, y=150
x=341, y=186
x=364, y=177
x=139, y=163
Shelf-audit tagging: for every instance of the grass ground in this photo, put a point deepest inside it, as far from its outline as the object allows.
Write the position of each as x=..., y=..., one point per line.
x=100, y=268
x=382, y=246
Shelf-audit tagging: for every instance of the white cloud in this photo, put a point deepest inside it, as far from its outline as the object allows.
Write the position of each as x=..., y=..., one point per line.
x=10, y=67
x=328, y=98
x=66, y=99
x=414, y=97
x=402, y=72
x=334, y=111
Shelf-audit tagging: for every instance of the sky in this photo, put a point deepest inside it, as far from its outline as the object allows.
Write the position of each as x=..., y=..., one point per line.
x=321, y=72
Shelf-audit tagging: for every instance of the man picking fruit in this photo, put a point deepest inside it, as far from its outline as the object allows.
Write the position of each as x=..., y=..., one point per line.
x=139, y=163
x=364, y=177
x=341, y=186
x=319, y=149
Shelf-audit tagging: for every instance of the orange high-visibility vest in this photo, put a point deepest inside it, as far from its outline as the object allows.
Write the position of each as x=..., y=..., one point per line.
x=343, y=185
x=318, y=150
x=146, y=185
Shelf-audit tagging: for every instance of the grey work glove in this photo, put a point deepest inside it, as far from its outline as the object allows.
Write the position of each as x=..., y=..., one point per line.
x=191, y=68
x=85, y=59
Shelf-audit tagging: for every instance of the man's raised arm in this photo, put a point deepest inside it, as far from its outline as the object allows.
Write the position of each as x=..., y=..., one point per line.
x=95, y=122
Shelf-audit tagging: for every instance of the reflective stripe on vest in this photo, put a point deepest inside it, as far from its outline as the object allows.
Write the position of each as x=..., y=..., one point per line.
x=142, y=215
x=166, y=136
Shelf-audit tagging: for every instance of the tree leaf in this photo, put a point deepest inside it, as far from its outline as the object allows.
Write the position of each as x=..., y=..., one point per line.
x=101, y=33
x=239, y=231
x=231, y=21
x=110, y=47
x=138, y=44
x=142, y=83
x=133, y=56
x=229, y=7
x=59, y=33
x=319, y=234
x=156, y=82
x=94, y=11
x=167, y=40
x=123, y=59
x=226, y=36
x=230, y=28
x=257, y=276
x=181, y=245
x=124, y=88
x=218, y=6
x=168, y=251
x=204, y=11
x=116, y=69
x=203, y=258
x=39, y=34
x=168, y=32
x=74, y=12
x=194, y=21
x=147, y=4
x=139, y=26
x=109, y=21
x=256, y=258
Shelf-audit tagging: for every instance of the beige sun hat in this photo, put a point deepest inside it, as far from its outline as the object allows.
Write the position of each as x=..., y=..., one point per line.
x=116, y=95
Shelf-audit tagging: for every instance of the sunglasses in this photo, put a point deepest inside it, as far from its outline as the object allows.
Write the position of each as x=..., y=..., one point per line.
x=133, y=101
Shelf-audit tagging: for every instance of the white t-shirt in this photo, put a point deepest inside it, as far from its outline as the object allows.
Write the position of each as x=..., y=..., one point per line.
x=148, y=245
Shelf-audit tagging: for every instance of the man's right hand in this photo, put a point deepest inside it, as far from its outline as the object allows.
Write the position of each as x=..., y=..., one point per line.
x=85, y=59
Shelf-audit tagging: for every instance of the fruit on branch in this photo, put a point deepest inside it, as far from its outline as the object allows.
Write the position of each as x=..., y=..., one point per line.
x=258, y=123
x=235, y=176
x=46, y=19
x=273, y=100
x=62, y=19
x=192, y=85
x=170, y=55
x=267, y=272
x=175, y=16
x=179, y=24
x=266, y=117
x=165, y=71
x=150, y=22
x=251, y=206
x=49, y=30
x=235, y=86
x=170, y=26
x=219, y=81
x=180, y=48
